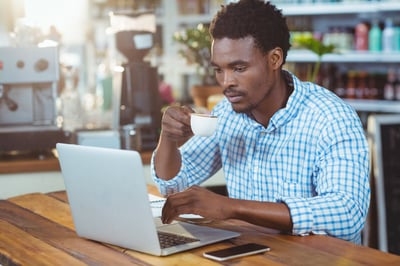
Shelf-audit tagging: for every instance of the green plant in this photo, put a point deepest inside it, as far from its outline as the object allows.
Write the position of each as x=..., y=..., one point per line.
x=196, y=49
x=309, y=42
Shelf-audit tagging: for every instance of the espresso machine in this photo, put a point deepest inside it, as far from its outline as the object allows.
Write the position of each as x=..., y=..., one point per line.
x=140, y=102
x=28, y=92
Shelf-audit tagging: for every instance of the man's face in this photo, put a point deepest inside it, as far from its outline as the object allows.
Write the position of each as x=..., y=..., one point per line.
x=243, y=72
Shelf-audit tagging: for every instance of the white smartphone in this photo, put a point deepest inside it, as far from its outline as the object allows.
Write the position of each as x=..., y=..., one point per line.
x=236, y=252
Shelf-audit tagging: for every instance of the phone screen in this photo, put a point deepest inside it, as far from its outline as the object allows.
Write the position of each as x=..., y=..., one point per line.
x=237, y=251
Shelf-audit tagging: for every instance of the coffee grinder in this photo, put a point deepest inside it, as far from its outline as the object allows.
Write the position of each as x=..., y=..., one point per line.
x=140, y=102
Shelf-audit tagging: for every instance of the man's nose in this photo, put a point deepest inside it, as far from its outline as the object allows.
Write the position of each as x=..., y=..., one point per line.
x=228, y=79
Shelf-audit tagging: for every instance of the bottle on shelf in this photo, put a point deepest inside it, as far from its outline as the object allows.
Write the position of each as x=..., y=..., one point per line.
x=375, y=37
x=340, y=89
x=361, y=88
x=388, y=35
x=388, y=89
x=373, y=91
x=396, y=44
x=361, y=37
x=397, y=85
x=351, y=85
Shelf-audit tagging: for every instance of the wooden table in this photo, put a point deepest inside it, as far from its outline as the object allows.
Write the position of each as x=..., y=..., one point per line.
x=37, y=229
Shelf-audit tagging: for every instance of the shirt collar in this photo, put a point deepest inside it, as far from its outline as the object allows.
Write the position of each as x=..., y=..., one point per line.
x=293, y=105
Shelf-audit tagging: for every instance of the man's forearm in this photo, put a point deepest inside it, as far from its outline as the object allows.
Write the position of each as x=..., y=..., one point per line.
x=167, y=160
x=269, y=214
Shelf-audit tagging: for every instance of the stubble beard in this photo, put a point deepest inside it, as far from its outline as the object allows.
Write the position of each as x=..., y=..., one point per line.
x=243, y=110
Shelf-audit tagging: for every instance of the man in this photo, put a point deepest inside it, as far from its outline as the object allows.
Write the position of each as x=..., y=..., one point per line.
x=294, y=155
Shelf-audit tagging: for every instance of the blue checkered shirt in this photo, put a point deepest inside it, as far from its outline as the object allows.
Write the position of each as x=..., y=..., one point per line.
x=313, y=156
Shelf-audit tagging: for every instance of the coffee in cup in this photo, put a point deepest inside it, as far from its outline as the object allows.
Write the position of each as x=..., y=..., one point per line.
x=203, y=124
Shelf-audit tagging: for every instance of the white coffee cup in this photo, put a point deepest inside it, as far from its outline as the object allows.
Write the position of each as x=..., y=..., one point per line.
x=203, y=124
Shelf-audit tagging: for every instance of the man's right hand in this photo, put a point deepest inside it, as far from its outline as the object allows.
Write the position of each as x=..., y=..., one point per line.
x=175, y=131
x=176, y=124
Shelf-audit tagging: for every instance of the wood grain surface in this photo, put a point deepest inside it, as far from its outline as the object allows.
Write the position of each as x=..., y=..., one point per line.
x=37, y=229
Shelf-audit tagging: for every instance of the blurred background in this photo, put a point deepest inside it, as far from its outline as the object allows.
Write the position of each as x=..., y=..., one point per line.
x=113, y=64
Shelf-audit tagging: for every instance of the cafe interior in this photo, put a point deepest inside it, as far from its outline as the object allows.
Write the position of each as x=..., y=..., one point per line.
x=101, y=72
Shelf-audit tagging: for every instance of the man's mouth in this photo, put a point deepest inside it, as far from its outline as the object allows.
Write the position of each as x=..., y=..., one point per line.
x=233, y=97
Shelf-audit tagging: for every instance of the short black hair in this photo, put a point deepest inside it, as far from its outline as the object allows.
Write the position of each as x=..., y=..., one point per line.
x=256, y=18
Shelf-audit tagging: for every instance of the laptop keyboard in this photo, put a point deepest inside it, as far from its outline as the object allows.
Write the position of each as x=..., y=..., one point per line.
x=168, y=240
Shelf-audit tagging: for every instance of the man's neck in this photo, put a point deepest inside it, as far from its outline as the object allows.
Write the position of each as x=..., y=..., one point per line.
x=285, y=84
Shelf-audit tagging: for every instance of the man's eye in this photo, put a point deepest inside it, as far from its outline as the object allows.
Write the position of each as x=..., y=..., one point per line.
x=217, y=70
x=240, y=68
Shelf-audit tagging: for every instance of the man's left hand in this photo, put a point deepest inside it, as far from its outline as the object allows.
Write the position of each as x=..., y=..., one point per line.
x=196, y=200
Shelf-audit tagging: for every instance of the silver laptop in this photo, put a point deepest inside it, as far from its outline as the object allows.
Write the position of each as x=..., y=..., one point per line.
x=109, y=202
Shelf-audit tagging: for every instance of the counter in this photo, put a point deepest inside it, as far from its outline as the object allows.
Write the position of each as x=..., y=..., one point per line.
x=28, y=163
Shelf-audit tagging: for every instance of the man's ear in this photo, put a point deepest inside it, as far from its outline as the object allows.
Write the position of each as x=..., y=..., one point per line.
x=275, y=57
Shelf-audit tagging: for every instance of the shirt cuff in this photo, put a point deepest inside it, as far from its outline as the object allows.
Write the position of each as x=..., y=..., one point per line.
x=168, y=187
x=301, y=214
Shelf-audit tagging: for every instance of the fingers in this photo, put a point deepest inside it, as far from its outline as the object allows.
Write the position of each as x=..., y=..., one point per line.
x=176, y=123
x=191, y=201
x=179, y=113
x=187, y=110
x=175, y=205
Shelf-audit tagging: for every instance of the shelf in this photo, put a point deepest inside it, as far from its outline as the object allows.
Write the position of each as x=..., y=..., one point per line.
x=375, y=106
x=191, y=20
x=338, y=8
x=195, y=19
x=297, y=55
x=306, y=9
